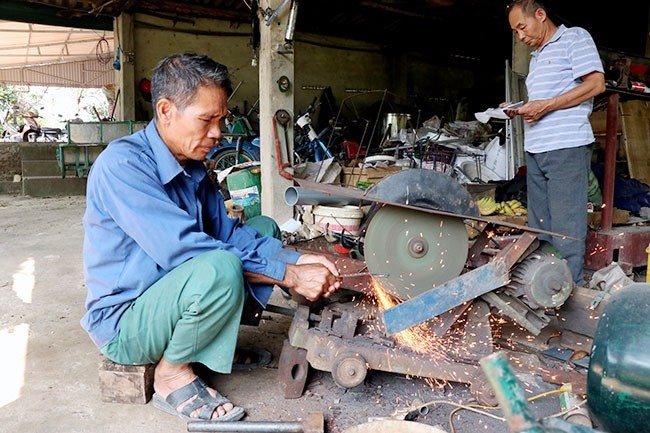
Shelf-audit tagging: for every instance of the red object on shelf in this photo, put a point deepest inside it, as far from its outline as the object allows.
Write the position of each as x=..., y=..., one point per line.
x=638, y=69
x=352, y=149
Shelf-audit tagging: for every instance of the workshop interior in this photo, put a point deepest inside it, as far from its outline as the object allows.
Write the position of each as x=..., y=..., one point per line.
x=373, y=133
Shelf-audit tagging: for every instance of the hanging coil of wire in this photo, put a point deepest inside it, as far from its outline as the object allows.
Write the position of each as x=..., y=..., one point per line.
x=103, y=51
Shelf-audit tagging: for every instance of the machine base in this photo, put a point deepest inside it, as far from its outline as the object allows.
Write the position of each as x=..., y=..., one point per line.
x=624, y=245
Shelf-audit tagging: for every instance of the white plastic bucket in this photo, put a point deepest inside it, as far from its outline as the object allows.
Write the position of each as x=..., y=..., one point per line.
x=471, y=171
x=339, y=218
x=495, y=159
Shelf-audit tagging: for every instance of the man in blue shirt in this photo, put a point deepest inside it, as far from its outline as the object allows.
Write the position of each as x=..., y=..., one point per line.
x=565, y=74
x=167, y=270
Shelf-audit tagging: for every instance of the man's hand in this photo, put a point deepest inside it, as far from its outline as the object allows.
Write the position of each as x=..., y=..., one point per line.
x=511, y=109
x=313, y=276
x=534, y=110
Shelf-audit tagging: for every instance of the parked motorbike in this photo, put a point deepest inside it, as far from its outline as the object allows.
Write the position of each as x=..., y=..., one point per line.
x=16, y=132
x=43, y=133
x=30, y=130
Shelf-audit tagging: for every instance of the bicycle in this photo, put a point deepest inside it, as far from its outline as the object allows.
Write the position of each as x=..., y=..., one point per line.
x=239, y=145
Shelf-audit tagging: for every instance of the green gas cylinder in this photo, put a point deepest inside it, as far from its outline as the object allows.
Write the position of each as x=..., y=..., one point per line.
x=618, y=380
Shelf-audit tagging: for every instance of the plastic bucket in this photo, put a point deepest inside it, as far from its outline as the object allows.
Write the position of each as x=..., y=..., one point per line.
x=495, y=159
x=245, y=187
x=339, y=218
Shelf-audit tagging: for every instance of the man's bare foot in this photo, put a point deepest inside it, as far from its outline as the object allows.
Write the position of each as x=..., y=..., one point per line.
x=172, y=377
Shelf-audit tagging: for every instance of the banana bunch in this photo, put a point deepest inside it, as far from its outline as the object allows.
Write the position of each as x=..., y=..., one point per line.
x=512, y=207
x=487, y=205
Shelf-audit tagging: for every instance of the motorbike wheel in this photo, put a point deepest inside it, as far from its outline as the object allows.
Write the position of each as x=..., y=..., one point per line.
x=228, y=158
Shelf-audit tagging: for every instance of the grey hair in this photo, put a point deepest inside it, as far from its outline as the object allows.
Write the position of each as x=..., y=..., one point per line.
x=528, y=7
x=178, y=76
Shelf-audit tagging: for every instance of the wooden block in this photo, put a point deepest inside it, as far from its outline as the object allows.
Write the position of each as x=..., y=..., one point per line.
x=125, y=383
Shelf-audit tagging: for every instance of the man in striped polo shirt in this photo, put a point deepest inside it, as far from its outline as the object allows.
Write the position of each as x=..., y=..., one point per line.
x=565, y=73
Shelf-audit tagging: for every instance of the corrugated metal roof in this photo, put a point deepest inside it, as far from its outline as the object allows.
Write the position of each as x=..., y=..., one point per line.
x=476, y=30
x=84, y=73
x=452, y=31
x=44, y=55
x=36, y=44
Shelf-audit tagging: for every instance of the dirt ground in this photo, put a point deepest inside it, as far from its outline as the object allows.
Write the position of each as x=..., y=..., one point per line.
x=49, y=367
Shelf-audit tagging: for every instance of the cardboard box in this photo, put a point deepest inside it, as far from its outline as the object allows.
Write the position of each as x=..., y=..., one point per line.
x=520, y=220
x=598, y=120
x=480, y=190
x=619, y=216
x=352, y=176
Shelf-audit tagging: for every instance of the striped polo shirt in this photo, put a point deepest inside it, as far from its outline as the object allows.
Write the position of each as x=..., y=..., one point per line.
x=554, y=69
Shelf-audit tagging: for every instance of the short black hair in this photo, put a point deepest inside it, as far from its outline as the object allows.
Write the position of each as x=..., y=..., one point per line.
x=178, y=76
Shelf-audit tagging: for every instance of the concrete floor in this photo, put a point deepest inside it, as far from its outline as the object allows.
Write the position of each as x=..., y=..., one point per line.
x=49, y=367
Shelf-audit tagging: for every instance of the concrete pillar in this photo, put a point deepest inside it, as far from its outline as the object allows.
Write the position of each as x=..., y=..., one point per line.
x=276, y=59
x=520, y=56
x=125, y=76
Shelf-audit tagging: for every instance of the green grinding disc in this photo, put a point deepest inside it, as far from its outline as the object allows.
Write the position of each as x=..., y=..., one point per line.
x=416, y=251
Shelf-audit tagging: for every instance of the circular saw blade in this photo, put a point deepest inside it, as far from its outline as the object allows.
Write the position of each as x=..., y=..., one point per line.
x=414, y=251
x=425, y=188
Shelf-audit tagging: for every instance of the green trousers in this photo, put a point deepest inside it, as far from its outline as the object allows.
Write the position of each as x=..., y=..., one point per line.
x=192, y=314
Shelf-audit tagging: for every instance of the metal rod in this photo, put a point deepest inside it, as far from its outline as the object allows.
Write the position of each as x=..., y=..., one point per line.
x=363, y=274
x=246, y=426
x=280, y=310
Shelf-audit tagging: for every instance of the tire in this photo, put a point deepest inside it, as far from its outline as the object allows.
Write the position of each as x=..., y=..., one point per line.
x=227, y=158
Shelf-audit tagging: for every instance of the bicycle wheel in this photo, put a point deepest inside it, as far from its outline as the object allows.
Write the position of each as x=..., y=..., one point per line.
x=228, y=158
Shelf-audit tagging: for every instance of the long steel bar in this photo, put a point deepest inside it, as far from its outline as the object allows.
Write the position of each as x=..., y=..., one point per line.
x=361, y=196
x=455, y=292
x=245, y=426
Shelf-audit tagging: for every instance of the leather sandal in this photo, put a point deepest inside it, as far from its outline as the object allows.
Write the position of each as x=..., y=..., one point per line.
x=203, y=401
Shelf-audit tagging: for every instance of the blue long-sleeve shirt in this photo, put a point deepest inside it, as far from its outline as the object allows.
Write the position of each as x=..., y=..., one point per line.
x=145, y=215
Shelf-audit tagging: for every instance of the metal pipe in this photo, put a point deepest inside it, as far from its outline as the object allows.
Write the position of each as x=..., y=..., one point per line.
x=291, y=23
x=274, y=14
x=294, y=195
x=609, y=172
x=246, y=426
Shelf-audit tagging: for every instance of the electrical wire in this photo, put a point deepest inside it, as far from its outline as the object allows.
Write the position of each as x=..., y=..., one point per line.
x=102, y=51
x=481, y=409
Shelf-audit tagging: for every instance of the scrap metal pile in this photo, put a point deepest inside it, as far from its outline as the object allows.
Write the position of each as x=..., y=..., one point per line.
x=435, y=296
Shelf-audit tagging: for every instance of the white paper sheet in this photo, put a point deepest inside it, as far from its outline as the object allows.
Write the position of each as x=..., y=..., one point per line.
x=497, y=113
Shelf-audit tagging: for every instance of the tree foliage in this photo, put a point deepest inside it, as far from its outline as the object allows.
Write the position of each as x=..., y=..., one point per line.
x=8, y=97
